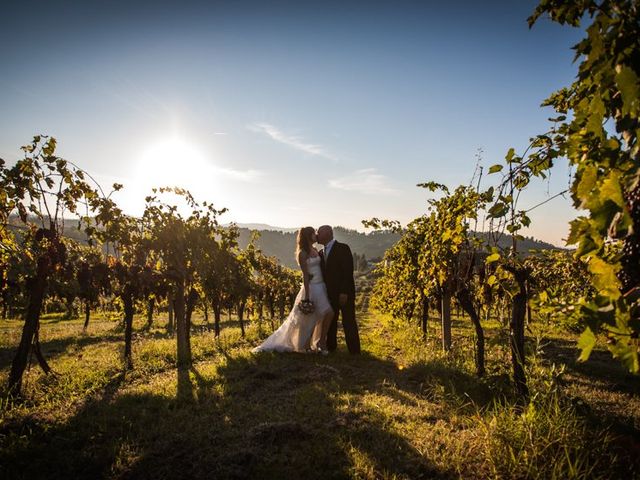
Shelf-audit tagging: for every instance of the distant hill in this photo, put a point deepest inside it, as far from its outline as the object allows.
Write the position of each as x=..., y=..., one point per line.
x=264, y=226
x=529, y=243
x=281, y=242
x=70, y=228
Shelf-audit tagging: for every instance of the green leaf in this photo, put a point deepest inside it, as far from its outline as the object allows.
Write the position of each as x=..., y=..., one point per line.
x=586, y=342
x=50, y=147
x=596, y=114
x=498, y=210
x=488, y=195
x=510, y=154
x=433, y=186
x=629, y=87
x=586, y=246
x=611, y=190
x=521, y=181
x=586, y=184
x=627, y=354
x=495, y=168
x=578, y=227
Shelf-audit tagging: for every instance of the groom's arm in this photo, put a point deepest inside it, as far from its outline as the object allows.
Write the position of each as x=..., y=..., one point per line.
x=346, y=275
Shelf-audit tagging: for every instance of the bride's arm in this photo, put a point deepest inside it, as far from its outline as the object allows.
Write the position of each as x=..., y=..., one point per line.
x=302, y=261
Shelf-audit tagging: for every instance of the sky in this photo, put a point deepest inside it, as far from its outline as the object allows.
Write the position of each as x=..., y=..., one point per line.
x=287, y=113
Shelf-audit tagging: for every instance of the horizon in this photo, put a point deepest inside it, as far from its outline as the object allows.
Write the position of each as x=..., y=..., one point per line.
x=330, y=113
x=260, y=226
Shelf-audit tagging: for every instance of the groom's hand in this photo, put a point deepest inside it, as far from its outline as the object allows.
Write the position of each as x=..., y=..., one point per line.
x=343, y=299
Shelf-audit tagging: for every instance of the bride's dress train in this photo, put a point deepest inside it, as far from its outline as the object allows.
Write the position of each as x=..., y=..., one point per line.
x=295, y=333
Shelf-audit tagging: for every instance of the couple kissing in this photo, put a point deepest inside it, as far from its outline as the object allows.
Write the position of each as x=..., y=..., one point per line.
x=327, y=292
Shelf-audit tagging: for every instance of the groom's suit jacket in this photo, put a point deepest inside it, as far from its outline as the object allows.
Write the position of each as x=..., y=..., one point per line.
x=338, y=272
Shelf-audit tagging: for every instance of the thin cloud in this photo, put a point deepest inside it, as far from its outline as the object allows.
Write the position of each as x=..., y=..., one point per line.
x=367, y=181
x=242, y=175
x=292, y=141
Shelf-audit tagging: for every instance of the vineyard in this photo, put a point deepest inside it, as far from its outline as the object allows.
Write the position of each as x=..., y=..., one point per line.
x=402, y=408
x=126, y=343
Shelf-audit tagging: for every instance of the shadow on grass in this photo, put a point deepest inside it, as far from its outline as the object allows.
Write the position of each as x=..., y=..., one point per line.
x=265, y=416
x=78, y=339
x=601, y=367
x=58, y=346
x=600, y=373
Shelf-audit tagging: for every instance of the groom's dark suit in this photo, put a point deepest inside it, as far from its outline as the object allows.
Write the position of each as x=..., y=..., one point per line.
x=337, y=270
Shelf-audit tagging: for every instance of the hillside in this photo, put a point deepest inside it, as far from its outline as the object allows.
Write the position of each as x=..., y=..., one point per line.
x=280, y=242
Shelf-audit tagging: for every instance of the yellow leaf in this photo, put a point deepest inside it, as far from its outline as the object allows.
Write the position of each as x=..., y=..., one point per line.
x=494, y=257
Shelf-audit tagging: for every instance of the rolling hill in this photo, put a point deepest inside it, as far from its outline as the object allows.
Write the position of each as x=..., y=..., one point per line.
x=280, y=242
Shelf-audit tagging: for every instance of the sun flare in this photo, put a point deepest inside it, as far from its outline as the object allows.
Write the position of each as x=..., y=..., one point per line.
x=173, y=162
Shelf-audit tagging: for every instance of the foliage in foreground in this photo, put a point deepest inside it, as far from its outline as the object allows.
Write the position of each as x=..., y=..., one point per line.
x=597, y=131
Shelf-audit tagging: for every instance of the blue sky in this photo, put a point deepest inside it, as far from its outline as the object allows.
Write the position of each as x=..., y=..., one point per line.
x=287, y=113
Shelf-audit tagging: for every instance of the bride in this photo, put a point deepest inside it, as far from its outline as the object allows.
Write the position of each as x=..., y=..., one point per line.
x=301, y=332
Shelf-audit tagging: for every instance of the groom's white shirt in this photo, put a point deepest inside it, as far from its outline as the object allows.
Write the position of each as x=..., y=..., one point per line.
x=327, y=248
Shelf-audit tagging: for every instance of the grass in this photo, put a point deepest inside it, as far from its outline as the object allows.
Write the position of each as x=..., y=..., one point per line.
x=402, y=409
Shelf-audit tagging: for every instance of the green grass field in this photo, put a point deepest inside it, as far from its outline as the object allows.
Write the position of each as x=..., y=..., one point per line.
x=402, y=409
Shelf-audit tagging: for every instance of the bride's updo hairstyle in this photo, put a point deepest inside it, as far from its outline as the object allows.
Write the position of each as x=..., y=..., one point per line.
x=304, y=240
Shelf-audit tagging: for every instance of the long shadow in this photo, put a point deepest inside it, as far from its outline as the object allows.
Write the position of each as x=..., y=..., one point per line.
x=601, y=367
x=268, y=416
x=301, y=410
x=55, y=347
x=265, y=416
x=77, y=446
x=600, y=373
x=58, y=346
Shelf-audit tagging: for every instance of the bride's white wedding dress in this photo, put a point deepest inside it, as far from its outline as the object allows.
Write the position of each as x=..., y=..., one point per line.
x=294, y=335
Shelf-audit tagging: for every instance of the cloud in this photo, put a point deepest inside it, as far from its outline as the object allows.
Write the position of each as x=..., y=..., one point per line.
x=366, y=181
x=242, y=175
x=291, y=140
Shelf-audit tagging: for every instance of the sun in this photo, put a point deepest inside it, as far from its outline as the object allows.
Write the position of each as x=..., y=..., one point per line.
x=173, y=162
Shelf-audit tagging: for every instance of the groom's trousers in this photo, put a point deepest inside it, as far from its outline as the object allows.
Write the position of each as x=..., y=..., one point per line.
x=349, y=325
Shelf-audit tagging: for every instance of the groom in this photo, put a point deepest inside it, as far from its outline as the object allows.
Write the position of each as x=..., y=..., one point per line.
x=337, y=265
